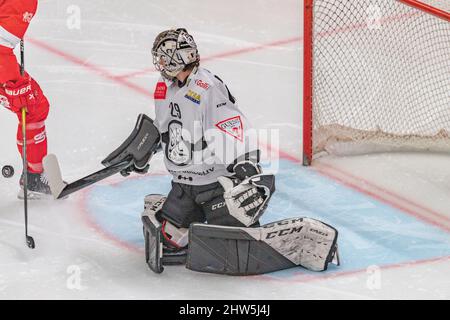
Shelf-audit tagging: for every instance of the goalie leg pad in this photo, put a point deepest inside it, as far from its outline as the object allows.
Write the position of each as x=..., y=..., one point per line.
x=157, y=253
x=153, y=243
x=245, y=251
x=153, y=232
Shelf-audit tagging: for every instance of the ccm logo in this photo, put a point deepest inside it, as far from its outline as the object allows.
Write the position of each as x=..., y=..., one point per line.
x=218, y=206
x=283, y=223
x=18, y=92
x=284, y=232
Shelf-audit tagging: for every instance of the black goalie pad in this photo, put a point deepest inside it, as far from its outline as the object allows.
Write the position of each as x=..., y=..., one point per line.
x=153, y=244
x=139, y=147
x=231, y=251
x=242, y=251
x=157, y=254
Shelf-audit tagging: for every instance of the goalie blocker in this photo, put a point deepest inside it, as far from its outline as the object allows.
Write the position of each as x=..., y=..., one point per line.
x=287, y=243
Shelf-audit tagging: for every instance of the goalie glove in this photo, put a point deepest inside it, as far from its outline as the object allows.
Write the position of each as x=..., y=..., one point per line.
x=247, y=200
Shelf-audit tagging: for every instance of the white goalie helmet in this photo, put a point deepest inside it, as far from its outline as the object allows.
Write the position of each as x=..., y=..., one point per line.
x=172, y=51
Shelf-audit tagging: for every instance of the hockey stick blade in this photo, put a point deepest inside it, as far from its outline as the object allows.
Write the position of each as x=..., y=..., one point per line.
x=60, y=189
x=53, y=174
x=30, y=242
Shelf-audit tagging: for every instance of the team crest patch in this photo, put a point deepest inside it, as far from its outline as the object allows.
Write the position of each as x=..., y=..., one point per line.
x=193, y=96
x=233, y=127
x=160, y=91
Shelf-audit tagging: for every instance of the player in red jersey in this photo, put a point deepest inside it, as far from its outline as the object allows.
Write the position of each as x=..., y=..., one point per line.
x=18, y=91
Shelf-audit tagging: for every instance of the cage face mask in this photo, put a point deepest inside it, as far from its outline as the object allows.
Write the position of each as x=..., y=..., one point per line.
x=172, y=51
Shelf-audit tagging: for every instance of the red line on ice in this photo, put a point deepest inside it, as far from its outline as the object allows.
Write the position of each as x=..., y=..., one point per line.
x=223, y=55
x=303, y=278
x=91, y=67
x=91, y=223
x=121, y=79
x=381, y=194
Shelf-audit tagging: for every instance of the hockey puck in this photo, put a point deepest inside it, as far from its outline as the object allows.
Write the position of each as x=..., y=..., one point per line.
x=7, y=171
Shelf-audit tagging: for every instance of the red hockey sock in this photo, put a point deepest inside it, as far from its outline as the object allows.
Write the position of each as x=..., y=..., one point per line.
x=36, y=145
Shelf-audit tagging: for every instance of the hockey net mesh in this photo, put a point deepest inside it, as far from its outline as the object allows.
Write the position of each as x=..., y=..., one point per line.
x=381, y=78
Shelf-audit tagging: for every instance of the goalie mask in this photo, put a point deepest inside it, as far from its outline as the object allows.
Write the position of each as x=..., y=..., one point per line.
x=173, y=51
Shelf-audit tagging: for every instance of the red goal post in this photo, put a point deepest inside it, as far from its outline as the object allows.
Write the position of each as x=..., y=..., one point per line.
x=428, y=8
x=437, y=22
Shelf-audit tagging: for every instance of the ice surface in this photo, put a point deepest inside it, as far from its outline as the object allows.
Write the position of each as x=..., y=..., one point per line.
x=392, y=210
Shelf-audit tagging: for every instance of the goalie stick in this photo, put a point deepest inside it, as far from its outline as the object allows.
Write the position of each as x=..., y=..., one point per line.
x=61, y=189
x=133, y=154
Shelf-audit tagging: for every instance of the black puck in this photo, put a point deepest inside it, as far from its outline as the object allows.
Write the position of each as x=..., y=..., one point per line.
x=7, y=171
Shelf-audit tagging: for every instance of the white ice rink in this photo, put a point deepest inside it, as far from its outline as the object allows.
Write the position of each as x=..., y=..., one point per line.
x=392, y=210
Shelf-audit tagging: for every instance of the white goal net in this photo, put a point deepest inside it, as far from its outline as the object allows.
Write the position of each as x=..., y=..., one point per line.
x=380, y=78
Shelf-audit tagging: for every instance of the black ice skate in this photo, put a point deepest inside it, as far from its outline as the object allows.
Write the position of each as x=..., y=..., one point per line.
x=38, y=187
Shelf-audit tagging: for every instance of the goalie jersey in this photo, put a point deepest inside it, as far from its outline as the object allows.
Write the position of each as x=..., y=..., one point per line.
x=202, y=129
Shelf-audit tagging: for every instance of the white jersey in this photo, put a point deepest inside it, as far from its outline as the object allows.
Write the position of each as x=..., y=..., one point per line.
x=202, y=129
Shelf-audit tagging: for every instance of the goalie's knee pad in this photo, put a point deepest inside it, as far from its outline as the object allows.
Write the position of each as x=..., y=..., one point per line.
x=165, y=244
x=280, y=245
